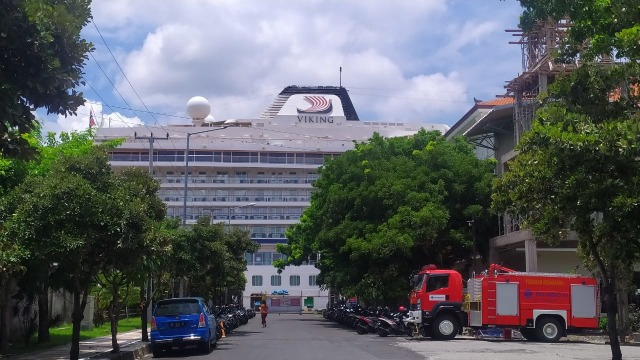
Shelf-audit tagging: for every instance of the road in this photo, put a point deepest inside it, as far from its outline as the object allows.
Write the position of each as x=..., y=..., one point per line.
x=308, y=337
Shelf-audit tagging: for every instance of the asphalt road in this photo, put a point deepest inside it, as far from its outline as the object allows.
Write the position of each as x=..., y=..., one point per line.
x=309, y=337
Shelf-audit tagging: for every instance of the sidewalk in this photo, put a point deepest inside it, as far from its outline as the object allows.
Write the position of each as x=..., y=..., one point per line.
x=130, y=347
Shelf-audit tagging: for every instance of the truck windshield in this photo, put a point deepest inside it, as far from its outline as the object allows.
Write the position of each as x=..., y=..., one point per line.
x=417, y=286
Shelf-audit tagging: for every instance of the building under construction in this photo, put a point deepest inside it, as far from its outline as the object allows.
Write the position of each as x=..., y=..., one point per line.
x=538, y=69
x=496, y=127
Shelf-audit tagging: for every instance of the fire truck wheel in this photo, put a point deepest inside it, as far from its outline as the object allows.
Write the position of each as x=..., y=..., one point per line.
x=528, y=333
x=548, y=330
x=445, y=327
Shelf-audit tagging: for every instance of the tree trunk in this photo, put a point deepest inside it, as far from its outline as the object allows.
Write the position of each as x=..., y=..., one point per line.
x=114, y=314
x=145, y=297
x=623, y=308
x=76, y=318
x=4, y=311
x=43, y=312
x=610, y=301
x=79, y=304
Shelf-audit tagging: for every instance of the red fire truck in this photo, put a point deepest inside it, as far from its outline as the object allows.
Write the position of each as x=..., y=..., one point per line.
x=541, y=305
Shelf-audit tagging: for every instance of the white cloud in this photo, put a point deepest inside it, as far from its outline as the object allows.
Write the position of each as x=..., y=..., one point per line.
x=80, y=122
x=401, y=59
x=471, y=33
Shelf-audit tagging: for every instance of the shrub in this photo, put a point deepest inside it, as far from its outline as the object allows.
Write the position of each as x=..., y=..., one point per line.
x=634, y=318
x=603, y=323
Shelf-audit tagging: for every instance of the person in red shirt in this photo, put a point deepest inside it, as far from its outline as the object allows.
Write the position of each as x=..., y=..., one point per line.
x=264, y=310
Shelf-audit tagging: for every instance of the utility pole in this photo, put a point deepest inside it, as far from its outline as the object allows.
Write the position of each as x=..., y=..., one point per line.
x=147, y=291
x=151, y=140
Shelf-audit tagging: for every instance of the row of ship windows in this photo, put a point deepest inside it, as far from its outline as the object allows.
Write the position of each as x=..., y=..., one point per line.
x=256, y=232
x=254, y=213
x=276, y=280
x=275, y=198
x=223, y=157
x=202, y=180
x=239, y=177
x=267, y=258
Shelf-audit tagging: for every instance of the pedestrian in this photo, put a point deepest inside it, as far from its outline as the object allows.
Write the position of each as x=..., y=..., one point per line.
x=264, y=310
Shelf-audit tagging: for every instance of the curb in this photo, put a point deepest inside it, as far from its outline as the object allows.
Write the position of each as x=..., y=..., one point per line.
x=132, y=351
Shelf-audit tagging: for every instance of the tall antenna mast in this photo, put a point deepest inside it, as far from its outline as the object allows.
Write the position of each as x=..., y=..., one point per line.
x=340, y=76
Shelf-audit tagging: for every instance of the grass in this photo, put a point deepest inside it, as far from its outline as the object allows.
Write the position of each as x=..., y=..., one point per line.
x=62, y=335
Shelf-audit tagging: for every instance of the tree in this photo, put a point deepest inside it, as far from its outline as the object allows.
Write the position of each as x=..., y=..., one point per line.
x=42, y=64
x=155, y=265
x=388, y=206
x=85, y=218
x=36, y=269
x=578, y=170
x=575, y=169
x=597, y=27
x=211, y=258
x=136, y=206
x=35, y=280
x=12, y=173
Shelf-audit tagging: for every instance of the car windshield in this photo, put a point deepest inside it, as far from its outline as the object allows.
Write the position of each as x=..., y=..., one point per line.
x=417, y=286
x=178, y=307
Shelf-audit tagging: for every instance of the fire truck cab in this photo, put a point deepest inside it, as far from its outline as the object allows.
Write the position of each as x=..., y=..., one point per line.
x=541, y=305
x=436, y=303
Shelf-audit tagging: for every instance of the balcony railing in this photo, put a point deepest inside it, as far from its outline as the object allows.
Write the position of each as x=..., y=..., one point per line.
x=257, y=199
x=232, y=180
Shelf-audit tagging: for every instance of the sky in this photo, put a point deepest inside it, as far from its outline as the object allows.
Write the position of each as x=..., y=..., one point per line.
x=420, y=61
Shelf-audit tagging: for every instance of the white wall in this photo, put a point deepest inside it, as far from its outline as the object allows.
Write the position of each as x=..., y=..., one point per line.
x=304, y=290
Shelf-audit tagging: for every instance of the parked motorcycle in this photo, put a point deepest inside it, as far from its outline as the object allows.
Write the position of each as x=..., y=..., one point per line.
x=393, y=324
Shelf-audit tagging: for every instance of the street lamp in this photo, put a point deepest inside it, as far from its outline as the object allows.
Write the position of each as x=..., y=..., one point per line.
x=236, y=207
x=198, y=109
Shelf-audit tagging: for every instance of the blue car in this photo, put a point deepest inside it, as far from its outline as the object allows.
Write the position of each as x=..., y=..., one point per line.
x=181, y=322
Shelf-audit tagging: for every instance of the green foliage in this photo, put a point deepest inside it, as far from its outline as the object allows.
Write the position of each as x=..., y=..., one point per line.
x=388, y=206
x=43, y=57
x=603, y=324
x=634, y=318
x=73, y=210
x=578, y=167
x=598, y=26
x=211, y=258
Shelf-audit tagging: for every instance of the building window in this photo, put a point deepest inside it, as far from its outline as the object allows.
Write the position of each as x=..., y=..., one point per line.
x=313, y=279
x=248, y=257
x=256, y=280
x=294, y=280
x=276, y=280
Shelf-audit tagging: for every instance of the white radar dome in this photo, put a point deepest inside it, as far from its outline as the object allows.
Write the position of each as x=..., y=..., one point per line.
x=209, y=119
x=198, y=108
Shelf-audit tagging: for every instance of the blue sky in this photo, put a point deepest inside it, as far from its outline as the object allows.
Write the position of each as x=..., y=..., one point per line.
x=409, y=60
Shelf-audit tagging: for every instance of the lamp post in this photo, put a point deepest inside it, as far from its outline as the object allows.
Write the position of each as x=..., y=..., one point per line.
x=186, y=169
x=199, y=110
x=237, y=207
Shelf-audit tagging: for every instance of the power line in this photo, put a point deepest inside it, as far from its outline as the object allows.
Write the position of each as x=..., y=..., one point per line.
x=151, y=155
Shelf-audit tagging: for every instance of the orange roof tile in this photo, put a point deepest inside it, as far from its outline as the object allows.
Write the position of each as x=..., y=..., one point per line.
x=497, y=101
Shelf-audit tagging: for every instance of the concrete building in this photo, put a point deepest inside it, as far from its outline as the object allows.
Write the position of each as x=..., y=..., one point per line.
x=489, y=125
x=258, y=176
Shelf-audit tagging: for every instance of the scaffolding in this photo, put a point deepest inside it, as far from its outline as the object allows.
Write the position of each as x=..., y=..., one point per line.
x=538, y=69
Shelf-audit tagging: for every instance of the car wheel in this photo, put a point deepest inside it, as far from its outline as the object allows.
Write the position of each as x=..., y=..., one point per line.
x=548, y=330
x=445, y=327
x=205, y=346
x=156, y=350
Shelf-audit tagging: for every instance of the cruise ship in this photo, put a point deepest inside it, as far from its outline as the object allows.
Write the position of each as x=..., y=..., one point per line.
x=256, y=174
